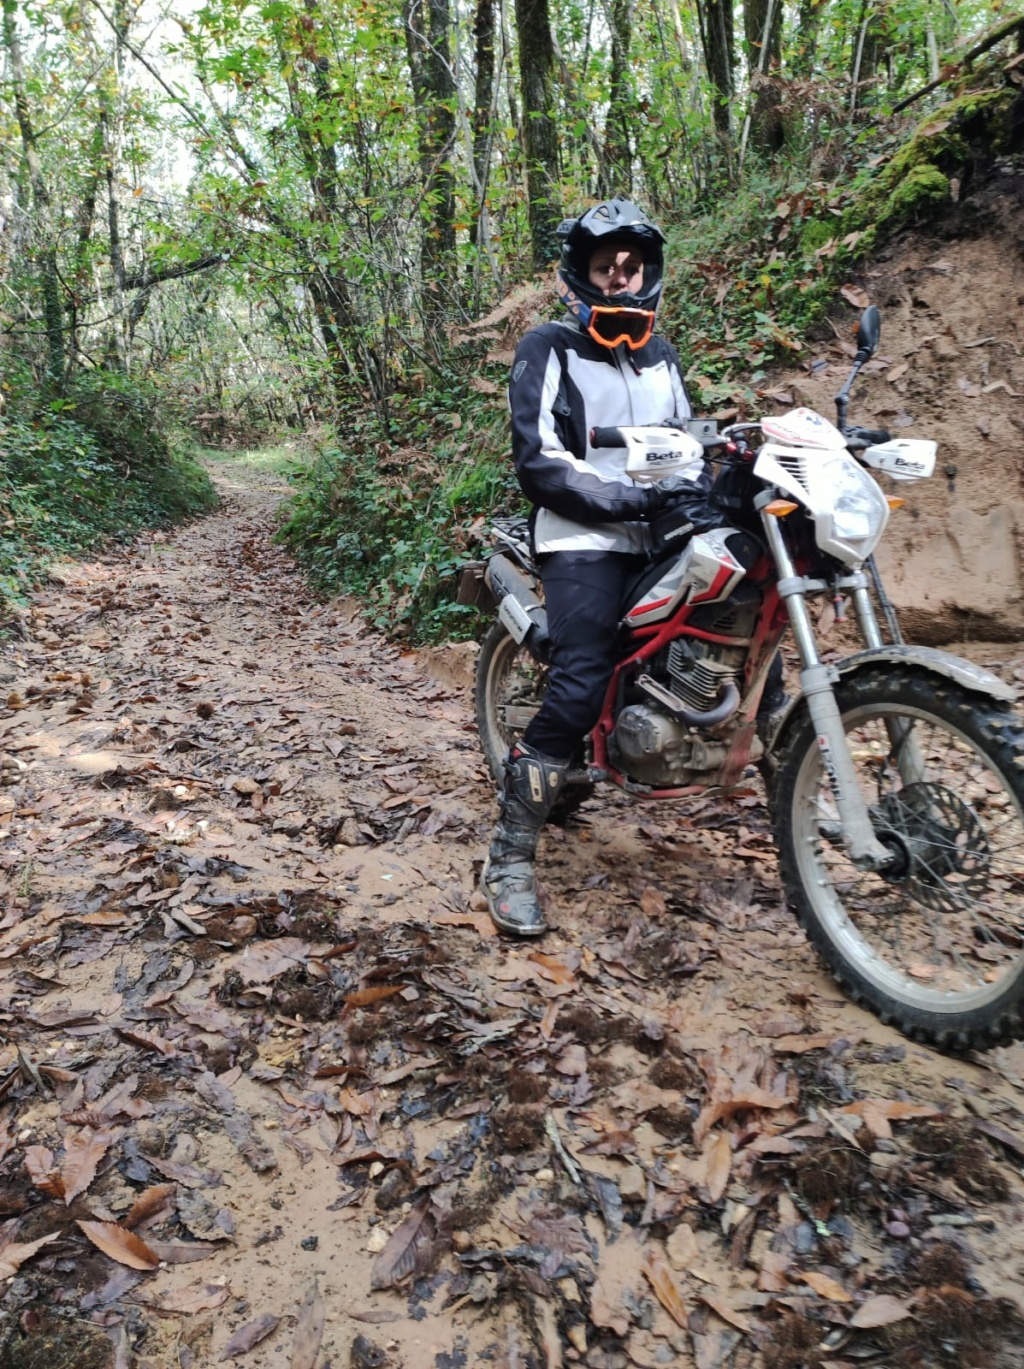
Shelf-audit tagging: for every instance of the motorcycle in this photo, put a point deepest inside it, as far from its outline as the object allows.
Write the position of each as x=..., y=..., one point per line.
x=895, y=775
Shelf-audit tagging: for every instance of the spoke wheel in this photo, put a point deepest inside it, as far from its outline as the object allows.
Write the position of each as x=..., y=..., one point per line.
x=935, y=943
x=510, y=687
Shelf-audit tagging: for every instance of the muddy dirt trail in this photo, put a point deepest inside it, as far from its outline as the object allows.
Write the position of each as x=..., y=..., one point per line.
x=272, y=1092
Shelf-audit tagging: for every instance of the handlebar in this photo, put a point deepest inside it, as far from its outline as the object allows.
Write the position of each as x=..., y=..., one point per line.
x=606, y=437
x=858, y=439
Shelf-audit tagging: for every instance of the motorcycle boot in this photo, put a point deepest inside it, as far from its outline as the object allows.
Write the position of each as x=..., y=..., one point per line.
x=532, y=784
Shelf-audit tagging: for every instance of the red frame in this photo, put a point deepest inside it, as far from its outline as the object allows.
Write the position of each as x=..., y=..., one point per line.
x=646, y=640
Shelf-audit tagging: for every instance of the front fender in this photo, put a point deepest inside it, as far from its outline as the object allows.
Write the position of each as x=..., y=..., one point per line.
x=942, y=663
x=964, y=673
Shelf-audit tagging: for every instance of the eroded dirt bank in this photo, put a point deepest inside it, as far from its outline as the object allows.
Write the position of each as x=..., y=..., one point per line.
x=260, y=1040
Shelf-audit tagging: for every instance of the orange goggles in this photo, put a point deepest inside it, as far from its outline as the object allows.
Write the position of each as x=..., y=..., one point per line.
x=610, y=327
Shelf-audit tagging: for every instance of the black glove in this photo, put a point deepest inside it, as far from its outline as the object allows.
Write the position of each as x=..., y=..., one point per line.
x=681, y=509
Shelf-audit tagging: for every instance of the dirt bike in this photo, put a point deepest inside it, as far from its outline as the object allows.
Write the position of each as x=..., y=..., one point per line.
x=896, y=775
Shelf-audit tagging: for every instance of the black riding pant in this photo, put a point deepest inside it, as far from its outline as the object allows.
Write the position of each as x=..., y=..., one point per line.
x=584, y=592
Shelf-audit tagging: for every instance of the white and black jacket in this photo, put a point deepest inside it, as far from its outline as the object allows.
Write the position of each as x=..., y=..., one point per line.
x=563, y=384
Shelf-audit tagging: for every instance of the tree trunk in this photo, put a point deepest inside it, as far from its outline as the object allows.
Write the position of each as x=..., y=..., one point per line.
x=762, y=28
x=617, y=172
x=540, y=131
x=49, y=277
x=428, y=41
x=717, y=40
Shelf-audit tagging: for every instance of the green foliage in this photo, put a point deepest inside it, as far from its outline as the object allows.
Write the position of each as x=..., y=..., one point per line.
x=916, y=181
x=394, y=530
x=88, y=469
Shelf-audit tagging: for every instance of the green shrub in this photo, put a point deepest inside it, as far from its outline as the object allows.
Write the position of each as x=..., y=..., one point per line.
x=89, y=468
x=394, y=530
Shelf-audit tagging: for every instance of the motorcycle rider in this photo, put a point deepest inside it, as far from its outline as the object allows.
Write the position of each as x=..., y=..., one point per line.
x=593, y=527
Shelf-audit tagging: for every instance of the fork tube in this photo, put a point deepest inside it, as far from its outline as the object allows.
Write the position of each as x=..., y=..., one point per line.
x=905, y=745
x=817, y=681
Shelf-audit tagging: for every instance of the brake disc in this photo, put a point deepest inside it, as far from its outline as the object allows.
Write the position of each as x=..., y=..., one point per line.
x=941, y=848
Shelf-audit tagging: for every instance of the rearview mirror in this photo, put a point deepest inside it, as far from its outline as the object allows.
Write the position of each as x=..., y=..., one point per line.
x=869, y=330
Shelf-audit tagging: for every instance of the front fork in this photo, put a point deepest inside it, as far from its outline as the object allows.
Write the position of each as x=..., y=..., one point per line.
x=817, y=682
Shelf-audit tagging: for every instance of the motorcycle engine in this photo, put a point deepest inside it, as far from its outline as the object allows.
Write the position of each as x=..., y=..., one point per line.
x=654, y=748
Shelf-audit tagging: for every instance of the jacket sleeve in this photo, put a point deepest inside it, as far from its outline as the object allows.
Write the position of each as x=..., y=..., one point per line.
x=552, y=476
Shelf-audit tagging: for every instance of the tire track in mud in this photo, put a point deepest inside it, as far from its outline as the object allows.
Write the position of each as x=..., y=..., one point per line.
x=243, y=969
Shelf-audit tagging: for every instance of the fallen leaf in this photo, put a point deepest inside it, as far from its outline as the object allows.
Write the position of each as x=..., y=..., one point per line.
x=897, y=371
x=824, y=1286
x=265, y=961
x=120, y=1244
x=149, y=1201
x=375, y=993
x=719, y=1166
x=83, y=1151
x=415, y=1242
x=249, y=1335
x=13, y=1255
x=659, y=1276
x=881, y=1310
x=39, y=1163
x=681, y=1248
x=855, y=295
x=892, y=1109
x=722, y=1309
x=653, y=902
x=197, y=1297
x=309, y=1329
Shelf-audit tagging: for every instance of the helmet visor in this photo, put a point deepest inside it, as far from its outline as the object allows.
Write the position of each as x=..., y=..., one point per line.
x=610, y=326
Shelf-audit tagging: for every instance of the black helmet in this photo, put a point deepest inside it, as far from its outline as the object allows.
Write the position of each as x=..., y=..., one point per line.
x=617, y=220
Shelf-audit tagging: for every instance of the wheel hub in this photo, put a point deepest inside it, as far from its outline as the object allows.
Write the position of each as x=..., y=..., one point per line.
x=939, y=846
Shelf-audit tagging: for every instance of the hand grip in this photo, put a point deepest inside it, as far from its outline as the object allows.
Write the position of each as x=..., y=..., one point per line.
x=606, y=437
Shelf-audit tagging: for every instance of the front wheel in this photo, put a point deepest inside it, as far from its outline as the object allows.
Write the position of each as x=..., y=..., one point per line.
x=510, y=687
x=935, y=943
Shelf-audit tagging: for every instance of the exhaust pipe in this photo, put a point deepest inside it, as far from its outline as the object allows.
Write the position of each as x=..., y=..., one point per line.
x=520, y=609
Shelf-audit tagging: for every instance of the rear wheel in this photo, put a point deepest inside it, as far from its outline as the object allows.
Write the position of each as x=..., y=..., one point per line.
x=935, y=943
x=510, y=686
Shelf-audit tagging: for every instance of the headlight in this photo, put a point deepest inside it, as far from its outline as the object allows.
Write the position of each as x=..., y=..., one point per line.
x=850, y=512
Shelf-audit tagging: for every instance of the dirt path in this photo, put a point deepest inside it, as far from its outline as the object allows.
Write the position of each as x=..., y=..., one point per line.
x=255, y=1018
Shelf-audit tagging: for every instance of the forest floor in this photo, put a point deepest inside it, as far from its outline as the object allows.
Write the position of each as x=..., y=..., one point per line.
x=272, y=1091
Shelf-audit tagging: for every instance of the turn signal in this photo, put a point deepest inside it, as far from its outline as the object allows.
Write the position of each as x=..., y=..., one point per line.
x=895, y=503
x=779, y=508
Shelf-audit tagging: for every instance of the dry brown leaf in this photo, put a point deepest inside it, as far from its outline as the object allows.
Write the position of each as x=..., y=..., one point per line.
x=881, y=1310
x=13, y=1255
x=681, y=1247
x=243, y=1340
x=897, y=371
x=653, y=902
x=309, y=1329
x=39, y=1163
x=891, y=1109
x=824, y=1286
x=719, y=1166
x=555, y=968
x=415, y=1243
x=148, y=1202
x=83, y=1151
x=800, y=1045
x=666, y=1290
x=480, y=922
x=120, y=1244
x=722, y=1308
x=855, y=295
x=375, y=993
x=197, y=1297
x=772, y=1275
x=258, y=964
